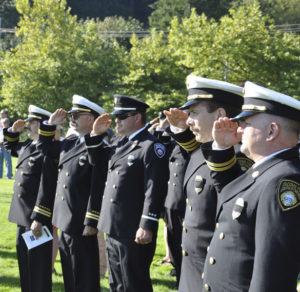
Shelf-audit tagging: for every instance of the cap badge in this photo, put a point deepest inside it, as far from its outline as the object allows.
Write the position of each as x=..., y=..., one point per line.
x=238, y=208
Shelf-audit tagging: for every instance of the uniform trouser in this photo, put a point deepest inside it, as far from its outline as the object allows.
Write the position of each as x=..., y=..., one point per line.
x=80, y=262
x=174, y=219
x=34, y=264
x=129, y=264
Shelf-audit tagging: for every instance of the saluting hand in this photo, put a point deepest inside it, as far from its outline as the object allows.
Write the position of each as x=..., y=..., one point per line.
x=101, y=125
x=18, y=126
x=58, y=117
x=225, y=133
x=143, y=236
x=177, y=118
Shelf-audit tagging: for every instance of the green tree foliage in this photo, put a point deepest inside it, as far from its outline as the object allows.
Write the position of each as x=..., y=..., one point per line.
x=282, y=11
x=241, y=47
x=117, y=28
x=165, y=10
x=153, y=74
x=57, y=58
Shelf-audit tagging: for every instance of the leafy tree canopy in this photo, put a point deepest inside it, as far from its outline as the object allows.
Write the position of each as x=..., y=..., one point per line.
x=57, y=58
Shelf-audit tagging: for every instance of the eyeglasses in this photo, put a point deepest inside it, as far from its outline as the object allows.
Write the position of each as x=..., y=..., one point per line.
x=75, y=116
x=124, y=116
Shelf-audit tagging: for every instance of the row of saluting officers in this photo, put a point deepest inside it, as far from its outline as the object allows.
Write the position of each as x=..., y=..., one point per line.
x=231, y=224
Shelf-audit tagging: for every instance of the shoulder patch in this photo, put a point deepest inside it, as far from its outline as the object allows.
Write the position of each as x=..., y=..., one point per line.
x=160, y=150
x=288, y=194
x=244, y=162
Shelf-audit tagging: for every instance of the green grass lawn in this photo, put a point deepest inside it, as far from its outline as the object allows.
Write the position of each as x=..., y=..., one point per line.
x=9, y=274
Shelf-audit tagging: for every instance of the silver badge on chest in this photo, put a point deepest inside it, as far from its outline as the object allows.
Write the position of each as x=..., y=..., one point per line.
x=82, y=160
x=130, y=159
x=238, y=208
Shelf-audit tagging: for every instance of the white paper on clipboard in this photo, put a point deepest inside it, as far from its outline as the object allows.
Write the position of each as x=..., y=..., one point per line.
x=33, y=241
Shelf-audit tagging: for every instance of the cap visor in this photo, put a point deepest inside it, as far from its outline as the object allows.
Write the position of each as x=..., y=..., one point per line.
x=119, y=112
x=243, y=115
x=189, y=103
x=30, y=119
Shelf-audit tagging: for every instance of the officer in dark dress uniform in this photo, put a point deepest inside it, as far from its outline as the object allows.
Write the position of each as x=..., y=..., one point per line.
x=207, y=100
x=174, y=207
x=77, y=200
x=30, y=210
x=133, y=196
x=256, y=245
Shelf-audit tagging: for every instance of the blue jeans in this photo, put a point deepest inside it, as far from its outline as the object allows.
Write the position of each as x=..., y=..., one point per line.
x=7, y=157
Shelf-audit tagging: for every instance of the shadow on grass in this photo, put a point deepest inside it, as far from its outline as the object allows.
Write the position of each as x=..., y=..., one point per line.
x=168, y=283
x=10, y=281
x=5, y=254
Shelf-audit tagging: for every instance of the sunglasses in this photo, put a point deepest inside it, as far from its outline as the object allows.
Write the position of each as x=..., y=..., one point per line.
x=125, y=116
x=75, y=116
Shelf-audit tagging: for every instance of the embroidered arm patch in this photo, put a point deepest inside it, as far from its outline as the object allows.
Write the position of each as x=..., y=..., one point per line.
x=288, y=194
x=160, y=150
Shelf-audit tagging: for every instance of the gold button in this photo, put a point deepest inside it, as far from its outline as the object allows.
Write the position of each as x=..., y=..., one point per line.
x=217, y=225
x=67, y=174
x=19, y=184
x=222, y=235
x=117, y=172
x=255, y=174
x=174, y=184
x=187, y=200
x=184, y=253
x=190, y=208
x=114, y=186
x=22, y=172
x=65, y=187
x=175, y=174
x=59, y=170
x=103, y=196
x=207, y=248
x=183, y=223
x=168, y=182
x=212, y=261
x=111, y=200
x=109, y=170
x=56, y=195
x=202, y=276
x=62, y=198
x=207, y=287
x=19, y=195
x=185, y=230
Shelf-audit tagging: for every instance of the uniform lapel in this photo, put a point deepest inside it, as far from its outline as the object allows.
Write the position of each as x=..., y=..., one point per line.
x=196, y=161
x=28, y=151
x=123, y=151
x=244, y=181
x=75, y=151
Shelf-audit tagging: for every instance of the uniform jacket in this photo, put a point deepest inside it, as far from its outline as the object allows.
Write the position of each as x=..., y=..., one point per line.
x=178, y=160
x=256, y=244
x=136, y=184
x=77, y=201
x=27, y=177
x=201, y=204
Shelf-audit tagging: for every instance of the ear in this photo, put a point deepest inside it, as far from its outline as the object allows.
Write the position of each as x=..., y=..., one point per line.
x=221, y=113
x=273, y=131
